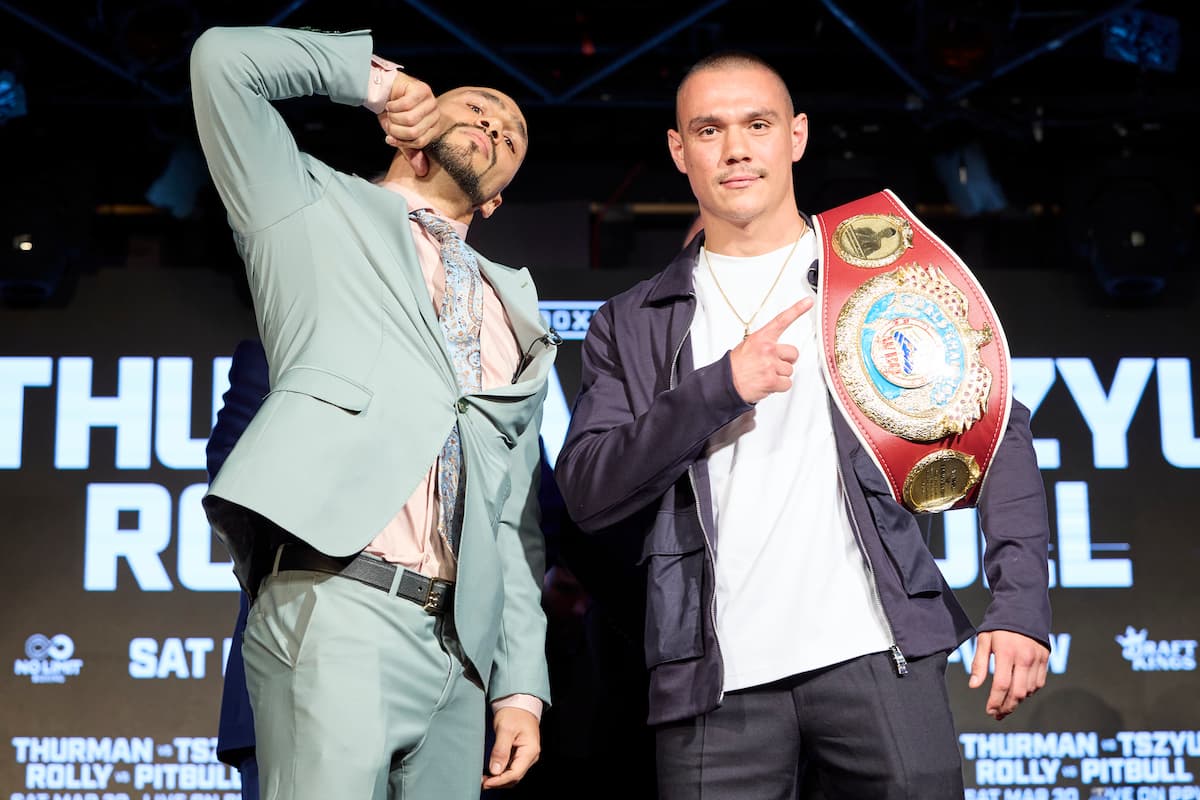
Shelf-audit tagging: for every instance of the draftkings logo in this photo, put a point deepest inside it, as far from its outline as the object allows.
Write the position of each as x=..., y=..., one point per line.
x=48, y=659
x=1148, y=655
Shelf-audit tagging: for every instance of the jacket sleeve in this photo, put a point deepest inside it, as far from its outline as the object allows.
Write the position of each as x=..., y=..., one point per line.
x=519, y=666
x=1016, y=529
x=615, y=462
x=236, y=73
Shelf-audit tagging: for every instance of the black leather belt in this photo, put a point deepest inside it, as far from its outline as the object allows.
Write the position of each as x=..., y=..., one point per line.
x=432, y=594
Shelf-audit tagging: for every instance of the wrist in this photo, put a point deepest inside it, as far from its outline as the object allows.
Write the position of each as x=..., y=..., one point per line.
x=525, y=702
x=379, y=84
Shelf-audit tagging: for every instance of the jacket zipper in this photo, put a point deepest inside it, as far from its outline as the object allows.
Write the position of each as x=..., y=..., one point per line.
x=899, y=662
x=712, y=556
x=712, y=606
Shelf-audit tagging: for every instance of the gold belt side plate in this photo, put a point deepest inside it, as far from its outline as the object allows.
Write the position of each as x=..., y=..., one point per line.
x=872, y=240
x=939, y=480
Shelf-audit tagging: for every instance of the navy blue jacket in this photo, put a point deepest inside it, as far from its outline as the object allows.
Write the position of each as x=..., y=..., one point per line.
x=248, y=385
x=634, y=463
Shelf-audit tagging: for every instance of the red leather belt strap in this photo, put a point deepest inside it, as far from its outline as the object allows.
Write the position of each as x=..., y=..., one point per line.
x=913, y=350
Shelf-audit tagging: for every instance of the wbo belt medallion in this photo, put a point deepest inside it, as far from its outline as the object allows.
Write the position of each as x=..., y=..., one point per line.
x=914, y=354
x=909, y=356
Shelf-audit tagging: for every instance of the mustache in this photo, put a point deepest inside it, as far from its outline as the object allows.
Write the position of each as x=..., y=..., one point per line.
x=473, y=126
x=758, y=172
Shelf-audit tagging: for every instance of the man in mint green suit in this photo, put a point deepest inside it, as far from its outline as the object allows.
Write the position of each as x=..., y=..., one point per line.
x=368, y=667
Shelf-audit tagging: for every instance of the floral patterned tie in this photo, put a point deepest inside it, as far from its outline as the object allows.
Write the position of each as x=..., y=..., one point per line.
x=461, y=317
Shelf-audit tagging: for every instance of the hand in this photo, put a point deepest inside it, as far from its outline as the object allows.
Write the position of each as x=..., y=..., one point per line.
x=410, y=119
x=763, y=366
x=1020, y=669
x=518, y=745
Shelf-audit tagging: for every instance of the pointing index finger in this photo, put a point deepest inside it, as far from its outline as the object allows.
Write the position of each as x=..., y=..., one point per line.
x=775, y=328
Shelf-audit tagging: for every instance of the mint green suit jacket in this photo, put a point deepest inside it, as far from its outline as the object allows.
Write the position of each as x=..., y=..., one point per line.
x=363, y=393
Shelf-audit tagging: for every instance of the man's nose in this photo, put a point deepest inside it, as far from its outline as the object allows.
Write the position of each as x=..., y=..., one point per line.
x=489, y=128
x=735, y=147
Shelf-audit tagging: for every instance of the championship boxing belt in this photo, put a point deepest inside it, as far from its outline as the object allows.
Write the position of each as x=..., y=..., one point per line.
x=913, y=350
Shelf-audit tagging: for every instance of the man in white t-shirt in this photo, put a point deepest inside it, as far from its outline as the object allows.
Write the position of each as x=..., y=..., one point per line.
x=797, y=625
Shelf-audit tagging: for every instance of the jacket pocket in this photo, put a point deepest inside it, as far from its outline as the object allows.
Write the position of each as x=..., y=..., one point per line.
x=674, y=560
x=898, y=531
x=326, y=386
x=919, y=573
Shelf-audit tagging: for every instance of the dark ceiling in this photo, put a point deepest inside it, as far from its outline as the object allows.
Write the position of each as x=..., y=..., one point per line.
x=892, y=90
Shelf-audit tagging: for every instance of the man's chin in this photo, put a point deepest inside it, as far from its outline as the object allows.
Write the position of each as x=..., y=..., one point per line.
x=738, y=212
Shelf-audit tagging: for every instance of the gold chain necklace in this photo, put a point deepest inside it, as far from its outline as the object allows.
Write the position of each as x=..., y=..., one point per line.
x=746, y=323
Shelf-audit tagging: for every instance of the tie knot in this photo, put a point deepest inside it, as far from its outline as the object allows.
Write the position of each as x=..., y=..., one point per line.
x=438, y=228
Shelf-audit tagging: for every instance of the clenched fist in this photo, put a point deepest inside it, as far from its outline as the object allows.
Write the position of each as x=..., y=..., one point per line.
x=411, y=119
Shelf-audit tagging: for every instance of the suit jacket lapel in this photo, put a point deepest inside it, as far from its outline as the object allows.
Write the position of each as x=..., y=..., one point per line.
x=517, y=294
x=388, y=215
x=514, y=288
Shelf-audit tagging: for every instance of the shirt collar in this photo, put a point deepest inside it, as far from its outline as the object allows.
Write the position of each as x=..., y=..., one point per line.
x=416, y=203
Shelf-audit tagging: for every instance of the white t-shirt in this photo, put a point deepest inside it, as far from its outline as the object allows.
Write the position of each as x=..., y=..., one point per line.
x=792, y=588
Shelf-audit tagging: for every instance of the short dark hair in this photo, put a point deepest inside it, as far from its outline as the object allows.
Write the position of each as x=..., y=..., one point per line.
x=731, y=59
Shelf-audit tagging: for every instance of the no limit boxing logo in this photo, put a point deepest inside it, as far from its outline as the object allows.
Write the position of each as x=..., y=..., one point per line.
x=48, y=659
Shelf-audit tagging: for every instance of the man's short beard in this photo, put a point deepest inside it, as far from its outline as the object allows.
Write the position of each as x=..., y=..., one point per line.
x=456, y=160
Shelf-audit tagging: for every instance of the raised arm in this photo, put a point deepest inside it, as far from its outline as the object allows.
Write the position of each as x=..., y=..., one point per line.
x=236, y=74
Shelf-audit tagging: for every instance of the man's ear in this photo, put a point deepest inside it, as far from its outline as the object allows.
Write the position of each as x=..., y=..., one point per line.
x=489, y=207
x=799, y=136
x=675, y=145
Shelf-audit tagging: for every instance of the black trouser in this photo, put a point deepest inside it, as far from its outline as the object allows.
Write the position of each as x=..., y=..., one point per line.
x=854, y=731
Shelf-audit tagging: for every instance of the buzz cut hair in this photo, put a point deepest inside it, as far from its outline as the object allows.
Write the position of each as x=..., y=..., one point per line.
x=732, y=59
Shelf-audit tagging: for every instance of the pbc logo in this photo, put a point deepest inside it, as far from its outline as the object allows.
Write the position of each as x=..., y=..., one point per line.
x=48, y=659
x=1147, y=655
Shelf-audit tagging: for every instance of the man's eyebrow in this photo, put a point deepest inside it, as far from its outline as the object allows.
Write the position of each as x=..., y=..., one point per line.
x=498, y=101
x=704, y=120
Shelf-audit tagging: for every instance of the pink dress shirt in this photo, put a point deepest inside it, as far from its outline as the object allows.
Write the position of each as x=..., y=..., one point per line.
x=410, y=538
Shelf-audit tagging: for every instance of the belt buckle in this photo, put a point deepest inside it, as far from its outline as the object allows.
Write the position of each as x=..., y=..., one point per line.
x=433, y=602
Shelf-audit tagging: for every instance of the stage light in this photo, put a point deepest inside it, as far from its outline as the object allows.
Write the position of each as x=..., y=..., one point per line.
x=1130, y=241
x=43, y=226
x=967, y=178
x=29, y=275
x=1129, y=221
x=12, y=97
x=1144, y=38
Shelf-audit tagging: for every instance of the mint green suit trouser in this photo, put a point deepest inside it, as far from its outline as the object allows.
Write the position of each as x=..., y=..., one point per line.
x=355, y=695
